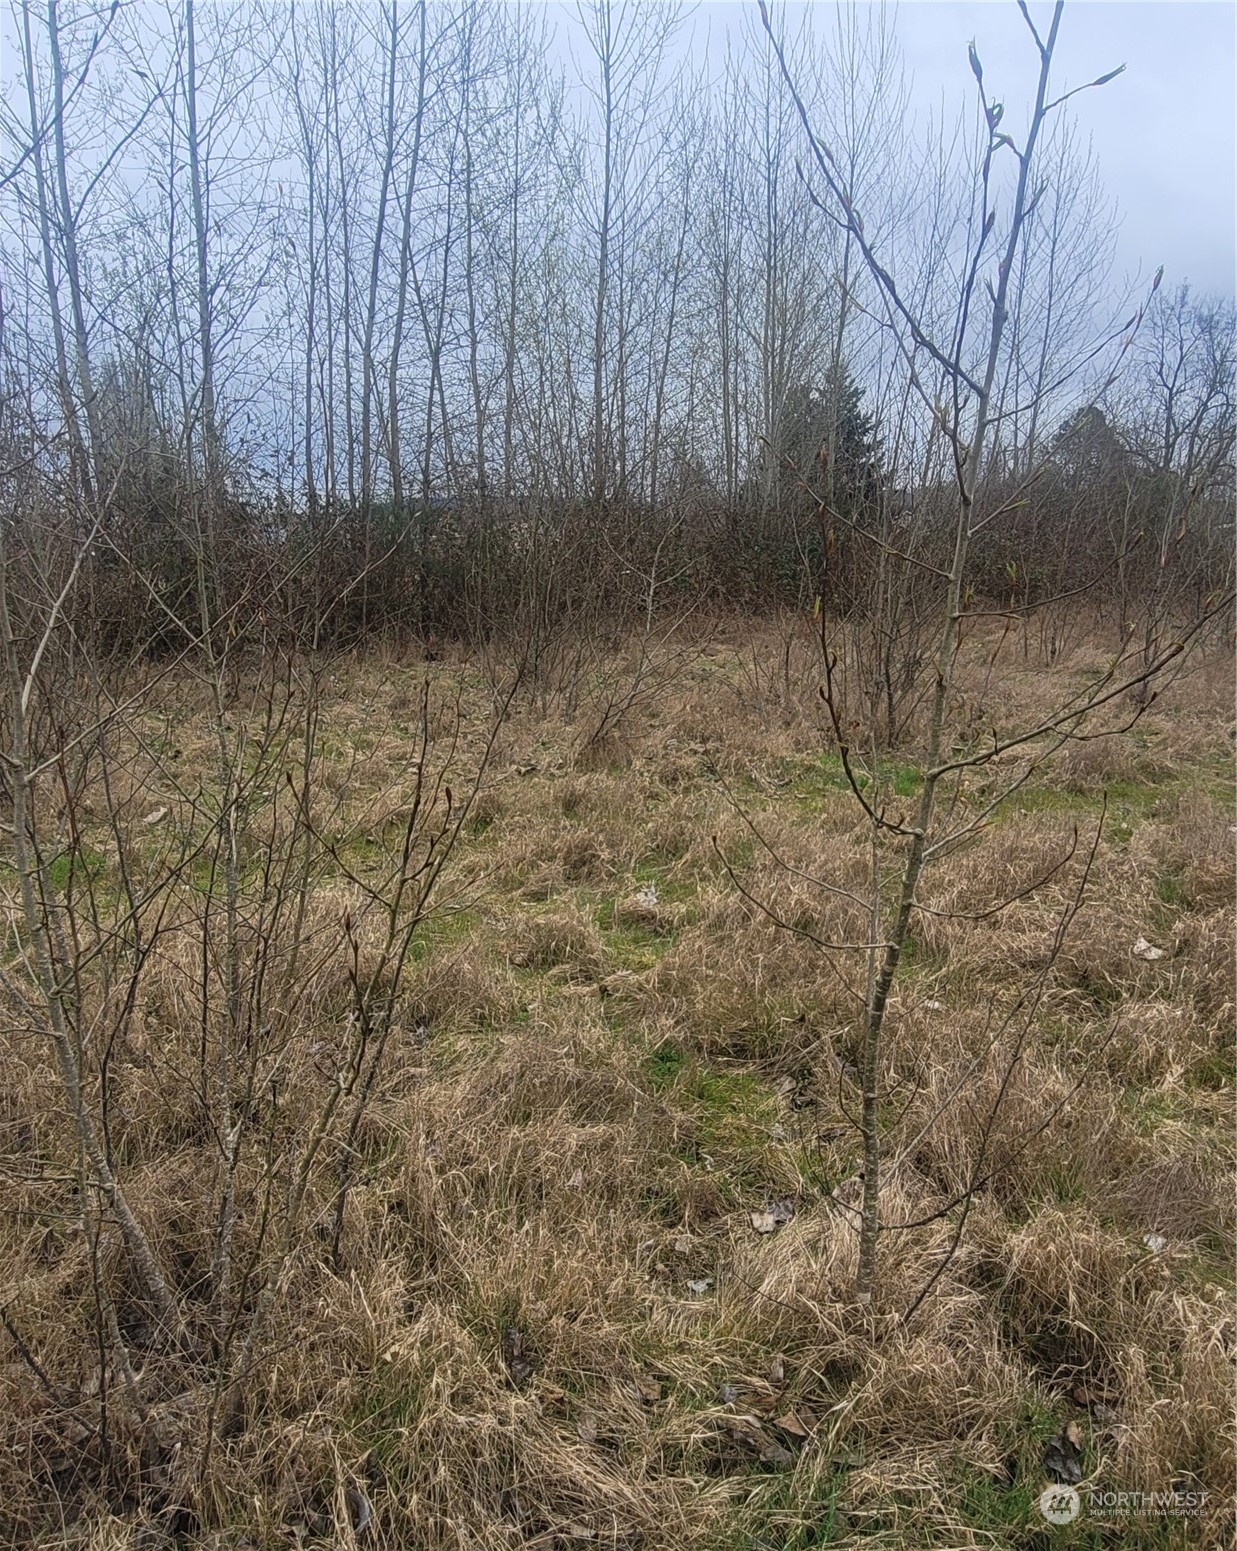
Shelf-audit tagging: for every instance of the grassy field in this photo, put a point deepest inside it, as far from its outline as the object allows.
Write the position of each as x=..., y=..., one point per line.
x=547, y=1317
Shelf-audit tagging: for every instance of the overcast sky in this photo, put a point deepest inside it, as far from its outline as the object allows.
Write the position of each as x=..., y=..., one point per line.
x=1163, y=132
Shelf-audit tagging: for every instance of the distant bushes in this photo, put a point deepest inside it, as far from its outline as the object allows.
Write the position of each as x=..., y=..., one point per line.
x=491, y=571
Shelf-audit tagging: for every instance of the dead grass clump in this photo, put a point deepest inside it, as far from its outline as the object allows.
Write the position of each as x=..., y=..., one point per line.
x=680, y=833
x=1189, y=856
x=331, y=968
x=572, y=798
x=1100, y=956
x=614, y=749
x=1177, y=1192
x=572, y=1071
x=810, y=910
x=584, y=858
x=495, y=1463
x=644, y=908
x=748, y=989
x=34, y=1124
x=790, y=1292
x=1207, y=969
x=941, y=1382
x=1174, y=1423
x=563, y=938
x=105, y=1533
x=1158, y=1042
x=456, y=988
x=1091, y=765
x=539, y=852
x=489, y=809
x=945, y=1386
x=1067, y=1285
x=998, y=866
x=676, y=770
x=1001, y=1113
x=173, y=1198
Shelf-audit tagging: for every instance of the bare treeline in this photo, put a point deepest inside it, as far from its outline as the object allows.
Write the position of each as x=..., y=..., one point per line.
x=439, y=318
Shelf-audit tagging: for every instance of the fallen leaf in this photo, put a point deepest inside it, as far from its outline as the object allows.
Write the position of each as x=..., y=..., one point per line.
x=775, y=1454
x=647, y=896
x=359, y=1509
x=1063, y=1456
x=700, y=1284
x=576, y=1182
x=763, y=1222
x=156, y=816
x=1155, y=1242
x=776, y=1371
x=777, y=1212
x=683, y=1245
x=747, y=1431
x=800, y=1423
x=727, y=1394
x=647, y=1389
x=934, y=1006
x=516, y=1355
x=575, y=1531
x=586, y=1427
x=1142, y=949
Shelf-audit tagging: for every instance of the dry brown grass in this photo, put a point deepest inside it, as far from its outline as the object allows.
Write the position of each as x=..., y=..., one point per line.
x=550, y=1322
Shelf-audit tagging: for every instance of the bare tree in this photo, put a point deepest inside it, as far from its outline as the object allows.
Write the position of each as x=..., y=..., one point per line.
x=966, y=362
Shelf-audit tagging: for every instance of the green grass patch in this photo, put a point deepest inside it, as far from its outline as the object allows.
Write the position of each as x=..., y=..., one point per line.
x=1170, y=889
x=76, y=869
x=800, y=1510
x=663, y=1066
x=635, y=947
x=731, y=1106
x=822, y=775
x=1129, y=804
x=1150, y=1107
x=1213, y=1071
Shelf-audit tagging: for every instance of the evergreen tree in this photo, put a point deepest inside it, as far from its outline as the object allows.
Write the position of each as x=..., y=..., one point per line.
x=806, y=446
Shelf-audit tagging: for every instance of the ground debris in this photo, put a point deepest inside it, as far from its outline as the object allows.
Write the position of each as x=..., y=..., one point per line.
x=1063, y=1455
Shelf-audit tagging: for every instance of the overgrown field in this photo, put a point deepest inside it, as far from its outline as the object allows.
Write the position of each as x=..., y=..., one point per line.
x=580, y=1273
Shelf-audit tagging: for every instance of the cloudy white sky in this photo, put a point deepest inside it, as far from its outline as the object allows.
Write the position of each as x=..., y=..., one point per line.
x=1163, y=132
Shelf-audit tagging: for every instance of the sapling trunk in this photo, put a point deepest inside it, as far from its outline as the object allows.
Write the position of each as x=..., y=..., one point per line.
x=38, y=931
x=968, y=459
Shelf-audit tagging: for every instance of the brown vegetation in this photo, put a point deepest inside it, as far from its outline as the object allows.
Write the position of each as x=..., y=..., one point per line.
x=545, y=1317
